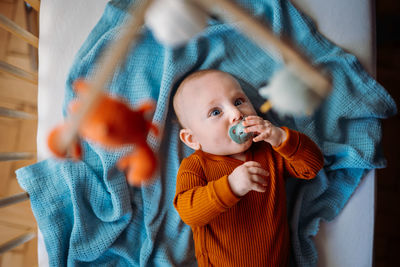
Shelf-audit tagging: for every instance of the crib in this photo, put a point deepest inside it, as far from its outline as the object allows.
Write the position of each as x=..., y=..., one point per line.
x=15, y=115
x=345, y=241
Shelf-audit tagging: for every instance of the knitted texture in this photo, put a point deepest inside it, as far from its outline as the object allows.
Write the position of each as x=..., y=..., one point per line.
x=248, y=231
x=88, y=214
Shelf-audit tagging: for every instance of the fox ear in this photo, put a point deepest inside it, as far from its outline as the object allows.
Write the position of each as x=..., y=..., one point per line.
x=148, y=108
x=187, y=136
x=80, y=86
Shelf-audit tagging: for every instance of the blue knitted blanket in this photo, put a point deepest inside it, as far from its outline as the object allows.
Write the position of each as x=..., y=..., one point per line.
x=89, y=215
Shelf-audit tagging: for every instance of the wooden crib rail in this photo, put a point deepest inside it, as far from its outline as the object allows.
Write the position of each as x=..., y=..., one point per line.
x=16, y=114
x=17, y=30
x=17, y=241
x=18, y=72
x=17, y=198
x=7, y=203
x=10, y=156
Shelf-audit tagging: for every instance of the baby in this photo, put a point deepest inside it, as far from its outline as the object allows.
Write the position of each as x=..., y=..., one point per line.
x=232, y=194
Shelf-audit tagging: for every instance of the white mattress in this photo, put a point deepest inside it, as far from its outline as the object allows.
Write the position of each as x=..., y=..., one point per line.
x=64, y=25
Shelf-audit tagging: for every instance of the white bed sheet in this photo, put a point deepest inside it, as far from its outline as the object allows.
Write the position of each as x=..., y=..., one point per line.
x=64, y=25
x=348, y=240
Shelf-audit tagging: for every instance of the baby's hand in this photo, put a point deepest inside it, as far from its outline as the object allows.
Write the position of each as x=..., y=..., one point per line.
x=264, y=130
x=246, y=177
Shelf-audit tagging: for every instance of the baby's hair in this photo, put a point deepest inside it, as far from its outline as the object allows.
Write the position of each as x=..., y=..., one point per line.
x=196, y=74
x=192, y=76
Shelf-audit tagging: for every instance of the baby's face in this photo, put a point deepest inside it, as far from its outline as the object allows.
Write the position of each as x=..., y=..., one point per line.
x=211, y=105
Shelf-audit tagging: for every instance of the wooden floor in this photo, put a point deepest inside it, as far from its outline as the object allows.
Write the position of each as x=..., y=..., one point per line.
x=16, y=136
x=21, y=136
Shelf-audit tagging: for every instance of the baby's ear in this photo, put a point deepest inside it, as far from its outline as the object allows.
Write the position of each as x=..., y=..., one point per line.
x=189, y=139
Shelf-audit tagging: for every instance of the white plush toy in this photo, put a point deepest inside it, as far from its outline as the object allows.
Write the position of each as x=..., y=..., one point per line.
x=288, y=94
x=175, y=22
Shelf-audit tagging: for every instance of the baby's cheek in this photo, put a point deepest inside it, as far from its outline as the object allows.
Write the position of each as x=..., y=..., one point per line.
x=213, y=138
x=251, y=110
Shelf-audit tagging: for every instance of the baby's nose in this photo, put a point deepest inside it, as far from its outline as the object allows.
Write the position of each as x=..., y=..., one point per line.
x=237, y=115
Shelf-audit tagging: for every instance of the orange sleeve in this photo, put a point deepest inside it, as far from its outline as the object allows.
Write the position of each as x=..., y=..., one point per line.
x=198, y=201
x=302, y=157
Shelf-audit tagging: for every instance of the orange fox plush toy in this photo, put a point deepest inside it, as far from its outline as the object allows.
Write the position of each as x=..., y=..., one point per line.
x=112, y=123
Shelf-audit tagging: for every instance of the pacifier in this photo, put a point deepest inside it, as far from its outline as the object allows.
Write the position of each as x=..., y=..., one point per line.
x=237, y=133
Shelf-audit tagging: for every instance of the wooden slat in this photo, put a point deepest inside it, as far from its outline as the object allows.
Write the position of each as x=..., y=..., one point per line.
x=10, y=113
x=35, y=4
x=16, y=242
x=7, y=201
x=10, y=156
x=32, y=25
x=17, y=30
x=18, y=72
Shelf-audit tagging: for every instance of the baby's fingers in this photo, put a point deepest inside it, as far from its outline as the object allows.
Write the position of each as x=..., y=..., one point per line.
x=260, y=180
x=258, y=187
x=261, y=137
x=255, y=128
x=252, y=120
x=252, y=164
x=257, y=170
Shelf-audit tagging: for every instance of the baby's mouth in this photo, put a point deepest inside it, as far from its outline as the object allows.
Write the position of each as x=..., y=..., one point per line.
x=237, y=133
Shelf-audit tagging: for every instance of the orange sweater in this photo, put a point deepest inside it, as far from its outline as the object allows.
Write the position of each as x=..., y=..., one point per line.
x=251, y=230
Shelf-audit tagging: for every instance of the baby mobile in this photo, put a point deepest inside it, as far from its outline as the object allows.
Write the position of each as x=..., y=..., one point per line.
x=298, y=88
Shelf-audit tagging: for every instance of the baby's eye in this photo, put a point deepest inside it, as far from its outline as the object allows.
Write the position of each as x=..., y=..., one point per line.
x=214, y=112
x=238, y=102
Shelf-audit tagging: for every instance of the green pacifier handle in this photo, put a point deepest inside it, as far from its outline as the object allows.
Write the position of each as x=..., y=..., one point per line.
x=237, y=133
